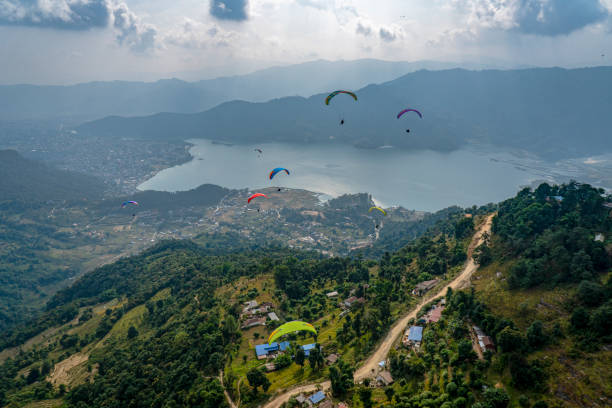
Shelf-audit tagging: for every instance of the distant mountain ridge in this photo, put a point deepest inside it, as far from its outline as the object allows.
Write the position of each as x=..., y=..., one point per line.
x=96, y=100
x=552, y=112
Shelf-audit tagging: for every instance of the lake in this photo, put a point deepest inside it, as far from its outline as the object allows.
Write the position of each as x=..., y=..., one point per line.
x=420, y=180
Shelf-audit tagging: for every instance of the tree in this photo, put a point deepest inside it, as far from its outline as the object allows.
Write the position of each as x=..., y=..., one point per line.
x=365, y=395
x=257, y=378
x=300, y=357
x=315, y=358
x=496, y=398
x=341, y=378
x=389, y=391
x=465, y=350
x=132, y=332
x=535, y=335
x=590, y=293
x=580, y=318
x=510, y=340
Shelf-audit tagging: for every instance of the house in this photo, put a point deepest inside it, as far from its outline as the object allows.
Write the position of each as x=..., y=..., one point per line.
x=343, y=405
x=332, y=359
x=599, y=238
x=273, y=316
x=478, y=331
x=256, y=321
x=421, y=288
x=307, y=348
x=300, y=399
x=331, y=294
x=468, y=215
x=316, y=397
x=381, y=364
x=250, y=304
x=384, y=378
x=486, y=343
x=434, y=314
x=348, y=303
x=326, y=404
x=266, y=350
x=413, y=336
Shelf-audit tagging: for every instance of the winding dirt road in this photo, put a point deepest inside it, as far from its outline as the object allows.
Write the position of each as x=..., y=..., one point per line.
x=371, y=364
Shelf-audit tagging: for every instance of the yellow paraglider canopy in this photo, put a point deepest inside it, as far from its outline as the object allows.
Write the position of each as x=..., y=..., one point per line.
x=379, y=209
x=291, y=327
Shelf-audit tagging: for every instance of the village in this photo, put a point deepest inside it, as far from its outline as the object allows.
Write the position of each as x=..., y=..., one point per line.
x=256, y=314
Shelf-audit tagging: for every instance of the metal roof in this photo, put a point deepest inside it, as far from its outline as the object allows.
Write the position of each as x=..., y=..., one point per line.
x=415, y=333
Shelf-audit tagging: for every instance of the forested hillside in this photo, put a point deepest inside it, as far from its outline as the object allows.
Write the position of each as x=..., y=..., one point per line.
x=29, y=180
x=156, y=329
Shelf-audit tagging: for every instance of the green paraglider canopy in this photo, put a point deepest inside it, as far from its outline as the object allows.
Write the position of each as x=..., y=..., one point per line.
x=291, y=327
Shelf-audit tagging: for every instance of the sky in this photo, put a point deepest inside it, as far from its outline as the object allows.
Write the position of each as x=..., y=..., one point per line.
x=71, y=41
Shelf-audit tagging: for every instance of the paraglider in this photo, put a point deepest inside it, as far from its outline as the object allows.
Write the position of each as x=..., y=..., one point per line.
x=379, y=209
x=342, y=122
x=276, y=171
x=399, y=115
x=331, y=95
x=125, y=203
x=291, y=327
x=255, y=196
x=259, y=151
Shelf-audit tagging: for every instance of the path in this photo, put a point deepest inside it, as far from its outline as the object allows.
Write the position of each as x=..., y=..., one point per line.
x=383, y=349
x=227, y=396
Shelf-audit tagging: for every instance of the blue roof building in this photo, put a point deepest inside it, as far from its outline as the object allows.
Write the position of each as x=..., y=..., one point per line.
x=415, y=333
x=262, y=350
x=317, y=397
x=307, y=348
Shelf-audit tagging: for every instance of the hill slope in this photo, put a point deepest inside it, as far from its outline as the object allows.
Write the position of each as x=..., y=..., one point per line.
x=28, y=180
x=533, y=109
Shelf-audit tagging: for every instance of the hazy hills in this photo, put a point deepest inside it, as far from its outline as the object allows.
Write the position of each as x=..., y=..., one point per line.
x=552, y=112
x=98, y=99
x=24, y=179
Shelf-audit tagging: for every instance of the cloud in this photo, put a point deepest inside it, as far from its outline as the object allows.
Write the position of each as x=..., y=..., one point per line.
x=81, y=15
x=539, y=17
x=387, y=35
x=60, y=14
x=131, y=31
x=235, y=10
x=197, y=35
x=364, y=30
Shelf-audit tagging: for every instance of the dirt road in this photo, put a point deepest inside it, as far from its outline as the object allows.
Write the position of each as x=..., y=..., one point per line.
x=371, y=364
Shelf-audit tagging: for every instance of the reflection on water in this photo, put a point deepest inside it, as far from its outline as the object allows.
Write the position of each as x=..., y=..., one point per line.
x=422, y=180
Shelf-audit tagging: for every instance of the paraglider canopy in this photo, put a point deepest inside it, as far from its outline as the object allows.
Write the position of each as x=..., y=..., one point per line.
x=399, y=115
x=291, y=327
x=255, y=196
x=379, y=209
x=258, y=151
x=331, y=95
x=276, y=171
x=125, y=203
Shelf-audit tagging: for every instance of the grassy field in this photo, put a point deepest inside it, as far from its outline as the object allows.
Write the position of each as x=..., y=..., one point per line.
x=575, y=375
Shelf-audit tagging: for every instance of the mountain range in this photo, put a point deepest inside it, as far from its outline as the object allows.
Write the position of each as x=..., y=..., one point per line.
x=552, y=112
x=95, y=100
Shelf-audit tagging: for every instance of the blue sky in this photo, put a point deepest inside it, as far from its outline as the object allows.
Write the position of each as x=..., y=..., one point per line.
x=67, y=41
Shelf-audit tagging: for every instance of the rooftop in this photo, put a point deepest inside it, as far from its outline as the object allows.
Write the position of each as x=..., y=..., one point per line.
x=317, y=397
x=415, y=333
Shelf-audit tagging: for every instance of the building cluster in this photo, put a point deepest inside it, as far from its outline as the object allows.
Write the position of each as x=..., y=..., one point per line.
x=255, y=314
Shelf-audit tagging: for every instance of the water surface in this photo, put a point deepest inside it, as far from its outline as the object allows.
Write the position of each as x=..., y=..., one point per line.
x=421, y=180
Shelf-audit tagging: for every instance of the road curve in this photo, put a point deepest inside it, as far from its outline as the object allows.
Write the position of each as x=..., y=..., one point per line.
x=396, y=330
